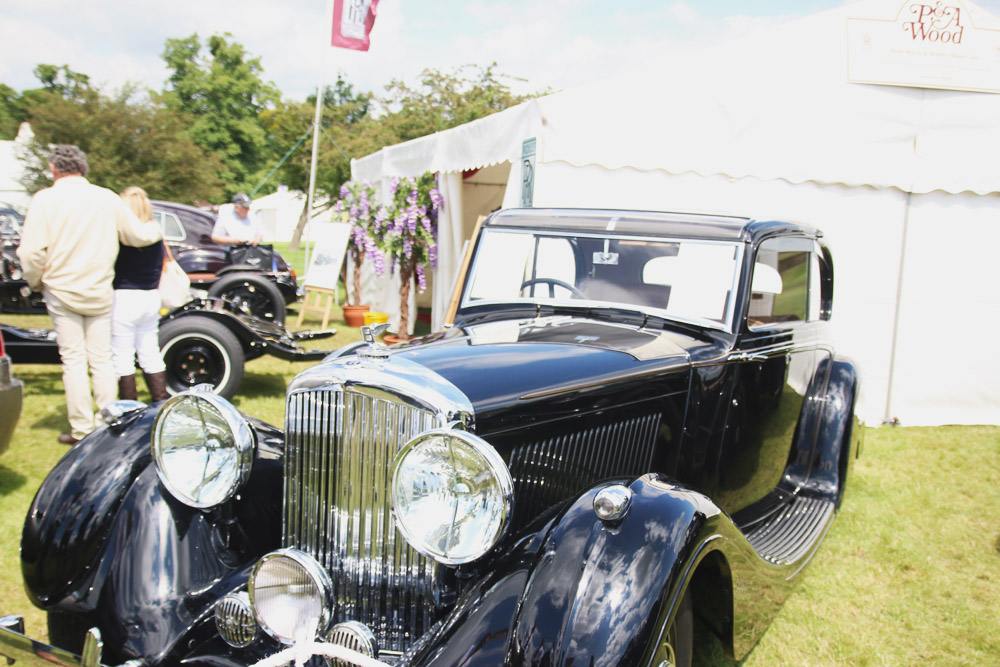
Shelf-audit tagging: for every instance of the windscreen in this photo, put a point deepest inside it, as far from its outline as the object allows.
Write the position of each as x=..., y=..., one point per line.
x=690, y=280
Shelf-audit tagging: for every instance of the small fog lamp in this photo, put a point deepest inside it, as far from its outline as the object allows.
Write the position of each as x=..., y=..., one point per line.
x=291, y=595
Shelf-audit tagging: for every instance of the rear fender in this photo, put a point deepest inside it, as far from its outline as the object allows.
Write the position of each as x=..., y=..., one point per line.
x=248, y=338
x=838, y=437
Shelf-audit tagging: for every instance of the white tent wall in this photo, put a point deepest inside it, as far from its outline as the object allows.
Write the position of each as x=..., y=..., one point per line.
x=947, y=368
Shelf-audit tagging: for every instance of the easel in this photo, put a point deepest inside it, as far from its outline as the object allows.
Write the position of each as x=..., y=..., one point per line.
x=325, y=270
x=323, y=302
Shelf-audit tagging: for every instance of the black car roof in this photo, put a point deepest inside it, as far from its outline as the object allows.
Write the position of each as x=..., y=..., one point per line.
x=679, y=225
x=180, y=207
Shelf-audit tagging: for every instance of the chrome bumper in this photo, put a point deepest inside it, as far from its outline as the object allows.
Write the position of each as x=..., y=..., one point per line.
x=25, y=651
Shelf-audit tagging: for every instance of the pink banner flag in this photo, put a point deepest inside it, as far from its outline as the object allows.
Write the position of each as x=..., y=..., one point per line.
x=352, y=23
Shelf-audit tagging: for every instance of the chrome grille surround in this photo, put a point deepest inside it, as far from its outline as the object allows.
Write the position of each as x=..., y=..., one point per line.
x=345, y=421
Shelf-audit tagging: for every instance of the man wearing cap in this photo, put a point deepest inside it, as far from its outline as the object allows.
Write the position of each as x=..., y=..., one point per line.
x=235, y=224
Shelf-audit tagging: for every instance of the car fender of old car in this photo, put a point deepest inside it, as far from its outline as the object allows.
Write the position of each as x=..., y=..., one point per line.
x=129, y=557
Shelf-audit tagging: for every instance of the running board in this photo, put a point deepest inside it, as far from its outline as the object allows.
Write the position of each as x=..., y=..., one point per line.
x=788, y=535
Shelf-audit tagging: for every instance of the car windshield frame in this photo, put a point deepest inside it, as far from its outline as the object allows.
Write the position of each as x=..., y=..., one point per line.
x=727, y=324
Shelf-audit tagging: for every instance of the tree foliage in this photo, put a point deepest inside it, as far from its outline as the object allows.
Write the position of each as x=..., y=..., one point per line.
x=218, y=128
x=223, y=94
x=444, y=100
x=12, y=112
x=129, y=140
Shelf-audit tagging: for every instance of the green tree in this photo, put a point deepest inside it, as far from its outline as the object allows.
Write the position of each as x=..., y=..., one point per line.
x=62, y=81
x=223, y=94
x=12, y=112
x=446, y=99
x=346, y=132
x=129, y=140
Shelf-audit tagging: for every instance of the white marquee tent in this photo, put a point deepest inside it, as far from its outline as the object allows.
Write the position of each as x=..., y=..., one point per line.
x=900, y=179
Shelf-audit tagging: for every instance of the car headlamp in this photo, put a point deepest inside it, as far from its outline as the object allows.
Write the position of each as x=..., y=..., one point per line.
x=452, y=495
x=291, y=595
x=203, y=448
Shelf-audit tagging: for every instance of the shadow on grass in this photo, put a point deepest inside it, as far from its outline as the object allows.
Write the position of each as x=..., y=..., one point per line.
x=40, y=380
x=10, y=480
x=263, y=385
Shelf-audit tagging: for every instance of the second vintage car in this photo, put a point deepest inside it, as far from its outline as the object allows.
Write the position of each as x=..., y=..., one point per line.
x=636, y=420
x=262, y=286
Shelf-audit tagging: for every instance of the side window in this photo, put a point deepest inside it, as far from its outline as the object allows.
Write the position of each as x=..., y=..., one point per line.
x=786, y=271
x=171, y=226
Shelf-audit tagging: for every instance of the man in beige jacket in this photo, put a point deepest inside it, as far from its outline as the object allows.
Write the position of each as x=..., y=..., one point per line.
x=69, y=244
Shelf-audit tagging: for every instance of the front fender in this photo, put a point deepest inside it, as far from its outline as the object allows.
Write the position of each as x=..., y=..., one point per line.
x=597, y=590
x=105, y=540
x=580, y=591
x=70, y=518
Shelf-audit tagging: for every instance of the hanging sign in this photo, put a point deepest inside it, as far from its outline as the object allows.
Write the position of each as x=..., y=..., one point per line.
x=927, y=44
x=527, y=172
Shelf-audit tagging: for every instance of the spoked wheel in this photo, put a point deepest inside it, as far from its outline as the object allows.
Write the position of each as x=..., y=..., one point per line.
x=677, y=646
x=198, y=350
x=250, y=294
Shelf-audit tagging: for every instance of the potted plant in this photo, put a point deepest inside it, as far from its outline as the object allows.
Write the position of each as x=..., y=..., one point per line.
x=357, y=206
x=408, y=236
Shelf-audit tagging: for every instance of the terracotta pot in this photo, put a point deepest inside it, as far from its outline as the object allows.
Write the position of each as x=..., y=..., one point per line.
x=392, y=339
x=354, y=316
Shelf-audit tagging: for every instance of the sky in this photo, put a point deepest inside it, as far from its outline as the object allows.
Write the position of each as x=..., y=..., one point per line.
x=540, y=44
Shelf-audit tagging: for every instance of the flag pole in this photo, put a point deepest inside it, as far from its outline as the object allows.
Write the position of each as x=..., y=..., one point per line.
x=312, y=168
x=315, y=146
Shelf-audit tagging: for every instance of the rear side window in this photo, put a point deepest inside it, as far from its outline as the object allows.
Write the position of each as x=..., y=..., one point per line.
x=172, y=228
x=786, y=272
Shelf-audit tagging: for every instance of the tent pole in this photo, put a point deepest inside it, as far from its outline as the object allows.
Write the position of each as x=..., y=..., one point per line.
x=889, y=417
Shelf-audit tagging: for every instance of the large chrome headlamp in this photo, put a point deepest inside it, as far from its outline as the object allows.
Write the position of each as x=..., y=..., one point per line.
x=203, y=448
x=452, y=495
x=291, y=595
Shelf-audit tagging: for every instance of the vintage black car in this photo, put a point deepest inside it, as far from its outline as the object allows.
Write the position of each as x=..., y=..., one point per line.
x=262, y=285
x=636, y=420
x=202, y=343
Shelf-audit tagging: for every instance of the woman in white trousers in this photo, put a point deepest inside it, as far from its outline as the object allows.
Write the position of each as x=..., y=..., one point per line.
x=135, y=315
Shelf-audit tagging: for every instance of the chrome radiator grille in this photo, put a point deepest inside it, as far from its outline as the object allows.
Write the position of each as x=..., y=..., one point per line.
x=339, y=447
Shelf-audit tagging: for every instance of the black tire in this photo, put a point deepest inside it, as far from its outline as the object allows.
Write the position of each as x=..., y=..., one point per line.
x=67, y=631
x=248, y=293
x=199, y=350
x=677, y=644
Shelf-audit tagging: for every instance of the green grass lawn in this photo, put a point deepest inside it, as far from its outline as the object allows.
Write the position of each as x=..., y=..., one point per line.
x=909, y=574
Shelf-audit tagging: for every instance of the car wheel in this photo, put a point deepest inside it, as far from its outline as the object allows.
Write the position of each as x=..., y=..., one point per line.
x=677, y=644
x=250, y=294
x=67, y=631
x=198, y=350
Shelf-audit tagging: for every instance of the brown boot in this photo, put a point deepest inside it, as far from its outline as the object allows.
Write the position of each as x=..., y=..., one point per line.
x=157, y=383
x=126, y=388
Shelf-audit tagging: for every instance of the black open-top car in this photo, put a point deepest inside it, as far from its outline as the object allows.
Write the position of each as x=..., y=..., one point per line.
x=636, y=420
x=250, y=281
x=202, y=343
